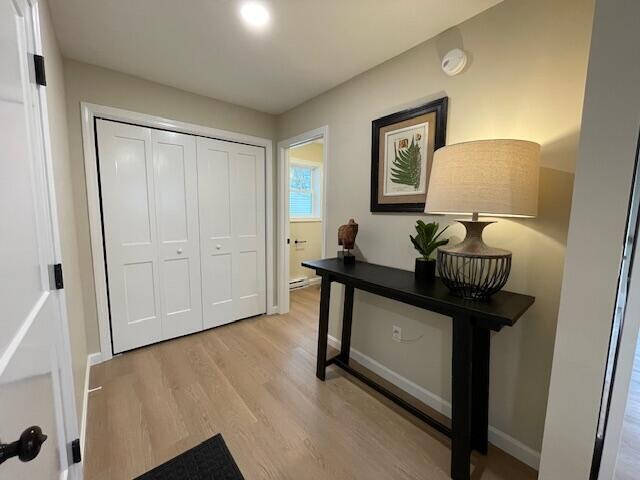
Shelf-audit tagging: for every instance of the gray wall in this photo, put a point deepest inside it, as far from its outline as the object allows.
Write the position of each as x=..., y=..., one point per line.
x=608, y=142
x=106, y=87
x=525, y=80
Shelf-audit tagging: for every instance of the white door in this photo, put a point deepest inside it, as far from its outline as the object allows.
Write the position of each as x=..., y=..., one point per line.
x=149, y=206
x=231, y=190
x=125, y=157
x=36, y=387
x=176, y=181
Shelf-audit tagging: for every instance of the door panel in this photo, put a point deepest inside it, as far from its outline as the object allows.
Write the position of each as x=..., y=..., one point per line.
x=131, y=190
x=139, y=292
x=249, y=215
x=150, y=212
x=21, y=261
x=128, y=209
x=216, y=238
x=177, y=280
x=176, y=174
x=232, y=239
x=246, y=207
x=172, y=196
x=36, y=386
x=29, y=386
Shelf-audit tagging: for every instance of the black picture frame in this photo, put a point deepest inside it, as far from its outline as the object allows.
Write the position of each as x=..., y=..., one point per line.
x=438, y=106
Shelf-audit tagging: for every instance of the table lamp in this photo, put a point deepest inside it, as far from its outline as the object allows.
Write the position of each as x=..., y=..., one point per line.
x=497, y=178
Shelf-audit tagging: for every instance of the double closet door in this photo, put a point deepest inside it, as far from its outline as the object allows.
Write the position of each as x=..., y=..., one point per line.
x=184, y=232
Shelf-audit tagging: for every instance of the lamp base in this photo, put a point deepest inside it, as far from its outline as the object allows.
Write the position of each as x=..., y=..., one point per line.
x=472, y=269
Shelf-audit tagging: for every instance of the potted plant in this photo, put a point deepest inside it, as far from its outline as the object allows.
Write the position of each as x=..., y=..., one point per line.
x=426, y=242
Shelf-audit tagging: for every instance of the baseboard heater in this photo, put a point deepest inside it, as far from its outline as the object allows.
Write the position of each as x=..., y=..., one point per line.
x=302, y=282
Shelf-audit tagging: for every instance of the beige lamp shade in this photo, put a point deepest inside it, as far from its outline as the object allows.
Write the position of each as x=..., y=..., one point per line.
x=488, y=177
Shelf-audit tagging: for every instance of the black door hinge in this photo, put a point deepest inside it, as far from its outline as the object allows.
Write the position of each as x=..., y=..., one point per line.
x=57, y=280
x=38, y=63
x=76, y=454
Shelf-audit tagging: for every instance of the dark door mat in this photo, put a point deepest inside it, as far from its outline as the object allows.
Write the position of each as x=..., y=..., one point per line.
x=211, y=460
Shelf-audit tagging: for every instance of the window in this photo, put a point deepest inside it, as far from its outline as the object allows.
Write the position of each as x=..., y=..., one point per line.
x=305, y=191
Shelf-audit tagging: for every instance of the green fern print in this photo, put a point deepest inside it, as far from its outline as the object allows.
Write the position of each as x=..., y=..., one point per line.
x=406, y=166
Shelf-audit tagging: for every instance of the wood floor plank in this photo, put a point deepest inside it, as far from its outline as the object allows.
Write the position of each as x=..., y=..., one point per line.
x=254, y=382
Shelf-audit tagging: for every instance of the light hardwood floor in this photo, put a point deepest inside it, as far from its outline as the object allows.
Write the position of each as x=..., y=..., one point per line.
x=254, y=382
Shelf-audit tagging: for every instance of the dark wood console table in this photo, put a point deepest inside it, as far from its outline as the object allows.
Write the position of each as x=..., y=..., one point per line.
x=472, y=325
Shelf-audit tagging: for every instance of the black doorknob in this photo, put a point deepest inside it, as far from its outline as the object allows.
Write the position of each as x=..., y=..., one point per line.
x=26, y=448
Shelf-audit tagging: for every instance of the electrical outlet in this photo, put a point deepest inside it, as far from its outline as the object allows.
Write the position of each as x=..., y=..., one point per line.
x=397, y=333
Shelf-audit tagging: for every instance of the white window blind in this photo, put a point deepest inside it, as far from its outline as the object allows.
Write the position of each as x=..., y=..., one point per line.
x=304, y=191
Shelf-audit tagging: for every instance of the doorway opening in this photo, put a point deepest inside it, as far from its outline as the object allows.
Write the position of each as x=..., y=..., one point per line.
x=302, y=212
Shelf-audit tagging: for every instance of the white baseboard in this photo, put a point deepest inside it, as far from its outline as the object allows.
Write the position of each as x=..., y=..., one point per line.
x=92, y=359
x=95, y=358
x=498, y=438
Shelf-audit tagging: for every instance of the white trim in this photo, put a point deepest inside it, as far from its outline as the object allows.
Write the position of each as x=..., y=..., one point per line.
x=67, y=386
x=92, y=359
x=90, y=111
x=498, y=438
x=283, y=206
x=95, y=358
x=85, y=403
x=305, y=219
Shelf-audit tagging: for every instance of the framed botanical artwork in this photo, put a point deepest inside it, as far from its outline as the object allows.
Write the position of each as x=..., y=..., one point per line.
x=402, y=146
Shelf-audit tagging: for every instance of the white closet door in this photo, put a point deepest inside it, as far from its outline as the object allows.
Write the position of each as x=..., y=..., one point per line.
x=130, y=234
x=232, y=230
x=176, y=186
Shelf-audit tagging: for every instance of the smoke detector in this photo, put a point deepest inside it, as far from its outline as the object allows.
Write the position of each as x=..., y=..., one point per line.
x=454, y=62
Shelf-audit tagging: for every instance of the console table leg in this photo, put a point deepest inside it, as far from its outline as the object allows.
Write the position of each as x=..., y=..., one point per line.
x=347, y=317
x=480, y=375
x=323, y=327
x=461, y=398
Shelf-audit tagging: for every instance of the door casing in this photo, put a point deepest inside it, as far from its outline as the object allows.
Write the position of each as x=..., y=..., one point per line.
x=89, y=113
x=283, y=205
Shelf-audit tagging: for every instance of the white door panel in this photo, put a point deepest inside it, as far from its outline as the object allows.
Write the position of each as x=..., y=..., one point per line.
x=232, y=230
x=150, y=212
x=216, y=238
x=36, y=386
x=176, y=177
x=128, y=209
x=28, y=381
x=248, y=209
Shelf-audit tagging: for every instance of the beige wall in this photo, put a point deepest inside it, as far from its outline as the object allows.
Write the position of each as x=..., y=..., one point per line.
x=312, y=250
x=106, y=87
x=309, y=231
x=525, y=80
x=604, y=173
x=310, y=152
x=63, y=181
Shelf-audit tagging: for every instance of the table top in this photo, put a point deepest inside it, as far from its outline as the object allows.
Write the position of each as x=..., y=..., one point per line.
x=502, y=309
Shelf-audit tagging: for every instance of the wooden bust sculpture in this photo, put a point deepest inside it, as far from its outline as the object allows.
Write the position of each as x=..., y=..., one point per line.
x=347, y=239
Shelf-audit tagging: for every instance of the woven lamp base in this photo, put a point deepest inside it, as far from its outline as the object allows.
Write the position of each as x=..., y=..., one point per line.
x=472, y=269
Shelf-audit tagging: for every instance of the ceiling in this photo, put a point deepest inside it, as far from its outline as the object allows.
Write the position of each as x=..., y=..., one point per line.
x=202, y=46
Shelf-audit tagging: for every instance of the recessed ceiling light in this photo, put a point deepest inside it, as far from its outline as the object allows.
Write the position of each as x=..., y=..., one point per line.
x=255, y=14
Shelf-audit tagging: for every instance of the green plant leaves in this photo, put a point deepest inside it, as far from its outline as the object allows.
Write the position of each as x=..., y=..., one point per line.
x=406, y=166
x=426, y=241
